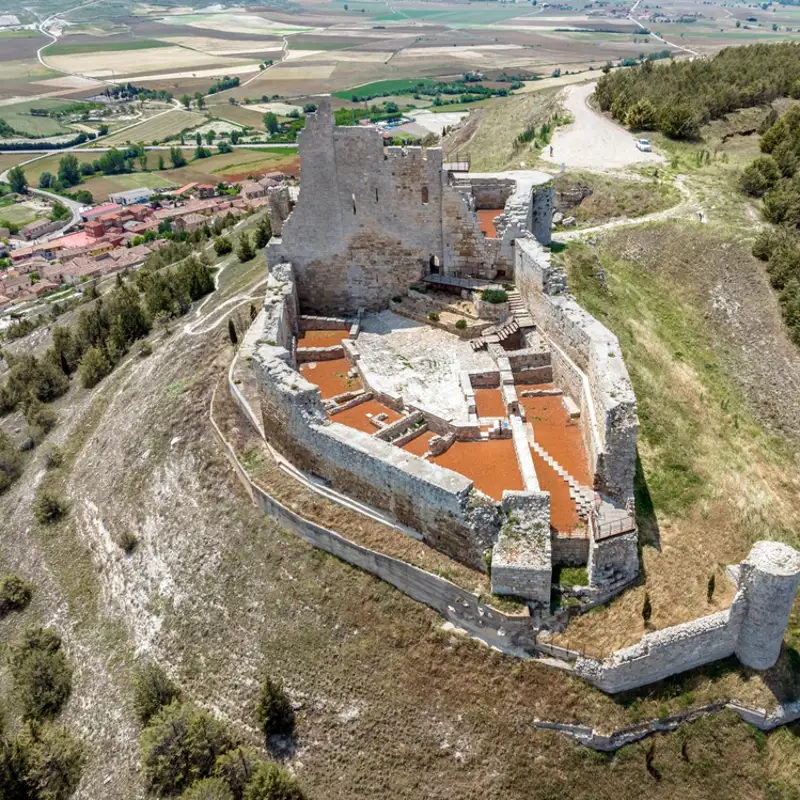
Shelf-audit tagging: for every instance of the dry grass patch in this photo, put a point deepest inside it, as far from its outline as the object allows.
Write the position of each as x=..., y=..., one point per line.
x=712, y=480
x=488, y=134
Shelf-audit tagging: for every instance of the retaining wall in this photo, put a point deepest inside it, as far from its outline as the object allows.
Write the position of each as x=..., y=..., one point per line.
x=439, y=503
x=584, y=347
x=512, y=634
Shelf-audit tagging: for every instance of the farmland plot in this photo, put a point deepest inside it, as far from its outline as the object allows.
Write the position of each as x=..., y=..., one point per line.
x=158, y=128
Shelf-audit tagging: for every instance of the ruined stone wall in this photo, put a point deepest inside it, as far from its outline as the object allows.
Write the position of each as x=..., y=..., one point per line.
x=614, y=561
x=752, y=628
x=611, y=405
x=490, y=192
x=569, y=552
x=467, y=252
x=346, y=239
x=279, y=206
x=439, y=503
x=666, y=652
x=521, y=559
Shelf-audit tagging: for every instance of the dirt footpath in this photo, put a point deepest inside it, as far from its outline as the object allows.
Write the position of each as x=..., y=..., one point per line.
x=593, y=141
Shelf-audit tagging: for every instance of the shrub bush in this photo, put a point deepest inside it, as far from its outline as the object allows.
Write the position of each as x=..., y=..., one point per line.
x=236, y=768
x=15, y=594
x=127, y=541
x=93, y=367
x=152, y=691
x=461, y=324
x=494, y=296
x=42, y=677
x=760, y=176
x=53, y=458
x=48, y=507
x=208, y=789
x=433, y=316
x=222, y=245
x=145, y=349
x=40, y=418
x=270, y=782
x=10, y=462
x=53, y=762
x=181, y=745
x=274, y=710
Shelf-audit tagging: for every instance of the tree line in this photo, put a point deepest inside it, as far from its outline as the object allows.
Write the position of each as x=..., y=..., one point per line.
x=103, y=333
x=775, y=176
x=678, y=98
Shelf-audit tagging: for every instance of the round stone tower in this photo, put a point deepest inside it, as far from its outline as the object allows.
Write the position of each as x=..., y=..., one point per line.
x=769, y=579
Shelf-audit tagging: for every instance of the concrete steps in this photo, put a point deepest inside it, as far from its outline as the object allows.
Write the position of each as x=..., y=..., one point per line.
x=520, y=310
x=581, y=495
x=494, y=335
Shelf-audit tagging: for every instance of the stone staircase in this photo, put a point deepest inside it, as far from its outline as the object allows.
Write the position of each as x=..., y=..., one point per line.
x=582, y=496
x=494, y=335
x=519, y=310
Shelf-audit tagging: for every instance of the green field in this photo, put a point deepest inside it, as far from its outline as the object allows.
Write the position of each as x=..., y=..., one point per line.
x=401, y=86
x=461, y=18
x=19, y=34
x=236, y=165
x=158, y=128
x=59, y=49
x=16, y=212
x=18, y=116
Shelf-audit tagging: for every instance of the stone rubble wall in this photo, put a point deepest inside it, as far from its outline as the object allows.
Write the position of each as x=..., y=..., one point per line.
x=666, y=652
x=305, y=354
x=610, y=406
x=279, y=206
x=570, y=551
x=521, y=559
x=783, y=714
x=439, y=503
x=614, y=561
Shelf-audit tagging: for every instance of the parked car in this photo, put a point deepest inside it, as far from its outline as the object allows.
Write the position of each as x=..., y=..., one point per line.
x=644, y=145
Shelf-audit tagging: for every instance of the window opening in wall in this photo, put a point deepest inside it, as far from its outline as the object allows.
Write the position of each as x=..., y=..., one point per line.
x=434, y=265
x=376, y=194
x=501, y=273
x=424, y=194
x=354, y=203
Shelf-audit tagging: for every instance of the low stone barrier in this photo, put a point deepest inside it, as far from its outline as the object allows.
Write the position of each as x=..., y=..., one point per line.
x=783, y=714
x=511, y=634
x=311, y=323
x=304, y=355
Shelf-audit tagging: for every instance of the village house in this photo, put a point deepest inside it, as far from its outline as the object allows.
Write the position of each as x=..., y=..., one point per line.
x=40, y=228
x=189, y=223
x=250, y=190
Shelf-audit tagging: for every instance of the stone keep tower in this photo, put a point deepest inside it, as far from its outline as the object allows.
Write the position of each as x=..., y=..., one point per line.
x=769, y=579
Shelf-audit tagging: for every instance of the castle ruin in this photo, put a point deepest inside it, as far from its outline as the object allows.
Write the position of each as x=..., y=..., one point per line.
x=418, y=353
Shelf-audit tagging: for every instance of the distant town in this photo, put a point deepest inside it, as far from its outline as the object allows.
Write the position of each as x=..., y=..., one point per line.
x=117, y=235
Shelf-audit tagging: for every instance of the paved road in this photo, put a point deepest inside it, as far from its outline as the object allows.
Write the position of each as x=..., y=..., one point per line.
x=593, y=141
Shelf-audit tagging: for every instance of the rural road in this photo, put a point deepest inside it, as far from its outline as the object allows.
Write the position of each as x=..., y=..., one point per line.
x=593, y=141
x=656, y=36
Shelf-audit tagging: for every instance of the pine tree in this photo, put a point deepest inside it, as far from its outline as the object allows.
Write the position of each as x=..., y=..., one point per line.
x=712, y=585
x=232, y=333
x=245, y=251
